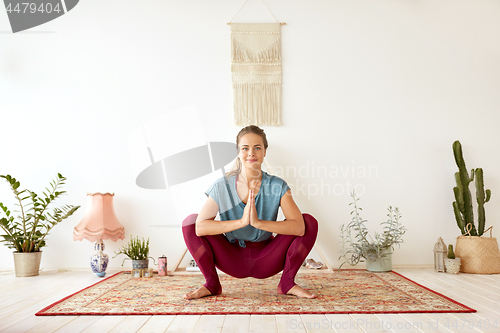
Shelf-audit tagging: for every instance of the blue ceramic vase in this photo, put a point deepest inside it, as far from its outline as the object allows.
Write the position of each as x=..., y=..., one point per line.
x=99, y=261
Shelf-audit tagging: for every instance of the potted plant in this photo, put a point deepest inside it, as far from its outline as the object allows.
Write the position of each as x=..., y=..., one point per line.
x=358, y=246
x=138, y=251
x=452, y=264
x=27, y=232
x=478, y=254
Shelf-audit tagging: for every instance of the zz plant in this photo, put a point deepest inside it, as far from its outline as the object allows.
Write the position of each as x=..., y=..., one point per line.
x=27, y=231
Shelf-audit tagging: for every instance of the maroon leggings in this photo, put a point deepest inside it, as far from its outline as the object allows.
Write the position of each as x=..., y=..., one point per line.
x=258, y=259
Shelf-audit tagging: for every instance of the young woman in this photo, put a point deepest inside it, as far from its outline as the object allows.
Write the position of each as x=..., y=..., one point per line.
x=241, y=244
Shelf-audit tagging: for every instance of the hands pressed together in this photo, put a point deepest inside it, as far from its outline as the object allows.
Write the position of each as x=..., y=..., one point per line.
x=250, y=213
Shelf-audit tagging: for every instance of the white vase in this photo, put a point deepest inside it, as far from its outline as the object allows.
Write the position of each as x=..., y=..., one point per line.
x=27, y=263
x=99, y=261
x=452, y=265
x=383, y=264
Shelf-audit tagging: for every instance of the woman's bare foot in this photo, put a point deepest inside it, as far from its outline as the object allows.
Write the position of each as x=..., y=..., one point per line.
x=198, y=293
x=300, y=292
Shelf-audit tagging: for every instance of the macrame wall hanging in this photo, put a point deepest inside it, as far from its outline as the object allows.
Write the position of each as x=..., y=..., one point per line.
x=256, y=73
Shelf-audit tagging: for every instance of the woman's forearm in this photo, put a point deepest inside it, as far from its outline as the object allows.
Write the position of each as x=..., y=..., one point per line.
x=213, y=227
x=286, y=227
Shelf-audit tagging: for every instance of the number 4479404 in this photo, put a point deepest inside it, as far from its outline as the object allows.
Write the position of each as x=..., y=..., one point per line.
x=31, y=7
x=471, y=324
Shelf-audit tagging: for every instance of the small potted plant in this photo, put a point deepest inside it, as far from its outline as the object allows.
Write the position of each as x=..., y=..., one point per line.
x=138, y=251
x=358, y=246
x=27, y=232
x=451, y=264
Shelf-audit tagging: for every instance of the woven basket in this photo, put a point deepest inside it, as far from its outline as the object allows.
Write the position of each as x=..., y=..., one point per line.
x=479, y=255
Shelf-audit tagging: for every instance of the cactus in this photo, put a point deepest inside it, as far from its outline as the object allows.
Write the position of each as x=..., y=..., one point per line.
x=451, y=255
x=481, y=197
x=462, y=205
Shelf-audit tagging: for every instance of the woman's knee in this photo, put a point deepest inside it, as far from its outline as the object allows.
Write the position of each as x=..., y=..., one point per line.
x=189, y=229
x=311, y=223
x=190, y=220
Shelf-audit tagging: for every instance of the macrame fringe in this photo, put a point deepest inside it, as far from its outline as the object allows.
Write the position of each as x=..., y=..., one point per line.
x=257, y=103
x=271, y=53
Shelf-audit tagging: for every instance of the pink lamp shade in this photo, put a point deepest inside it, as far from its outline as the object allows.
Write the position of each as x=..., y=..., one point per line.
x=99, y=221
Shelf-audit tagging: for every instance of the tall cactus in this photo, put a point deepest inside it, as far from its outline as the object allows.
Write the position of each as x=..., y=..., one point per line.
x=481, y=197
x=462, y=206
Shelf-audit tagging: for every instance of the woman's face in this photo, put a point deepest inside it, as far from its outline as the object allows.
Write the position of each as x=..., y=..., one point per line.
x=251, y=151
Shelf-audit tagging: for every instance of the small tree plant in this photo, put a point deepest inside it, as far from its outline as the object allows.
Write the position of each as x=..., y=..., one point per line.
x=358, y=246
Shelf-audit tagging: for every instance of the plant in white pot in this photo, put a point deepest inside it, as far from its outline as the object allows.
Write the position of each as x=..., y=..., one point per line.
x=27, y=232
x=138, y=251
x=358, y=246
x=452, y=263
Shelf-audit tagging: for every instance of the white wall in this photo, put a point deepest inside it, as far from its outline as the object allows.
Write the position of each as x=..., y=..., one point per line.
x=380, y=86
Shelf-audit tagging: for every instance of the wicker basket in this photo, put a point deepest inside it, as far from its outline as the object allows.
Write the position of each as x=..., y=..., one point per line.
x=480, y=255
x=27, y=263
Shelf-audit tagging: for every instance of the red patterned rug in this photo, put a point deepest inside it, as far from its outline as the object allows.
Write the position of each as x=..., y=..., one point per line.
x=347, y=291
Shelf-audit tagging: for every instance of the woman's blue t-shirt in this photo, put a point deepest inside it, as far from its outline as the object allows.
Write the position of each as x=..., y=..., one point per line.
x=267, y=203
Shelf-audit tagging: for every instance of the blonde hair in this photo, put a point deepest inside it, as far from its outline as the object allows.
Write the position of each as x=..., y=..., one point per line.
x=249, y=129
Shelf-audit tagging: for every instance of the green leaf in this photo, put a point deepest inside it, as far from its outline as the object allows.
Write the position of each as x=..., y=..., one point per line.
x=16, y=185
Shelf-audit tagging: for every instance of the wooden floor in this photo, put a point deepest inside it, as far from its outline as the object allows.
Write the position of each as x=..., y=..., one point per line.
x=21, y=298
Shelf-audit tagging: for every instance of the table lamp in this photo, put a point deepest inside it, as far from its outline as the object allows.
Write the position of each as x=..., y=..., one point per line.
x=99, y=223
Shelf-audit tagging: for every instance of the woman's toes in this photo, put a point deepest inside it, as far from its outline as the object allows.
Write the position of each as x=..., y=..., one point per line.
x=199, y=293
x=300, y=292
